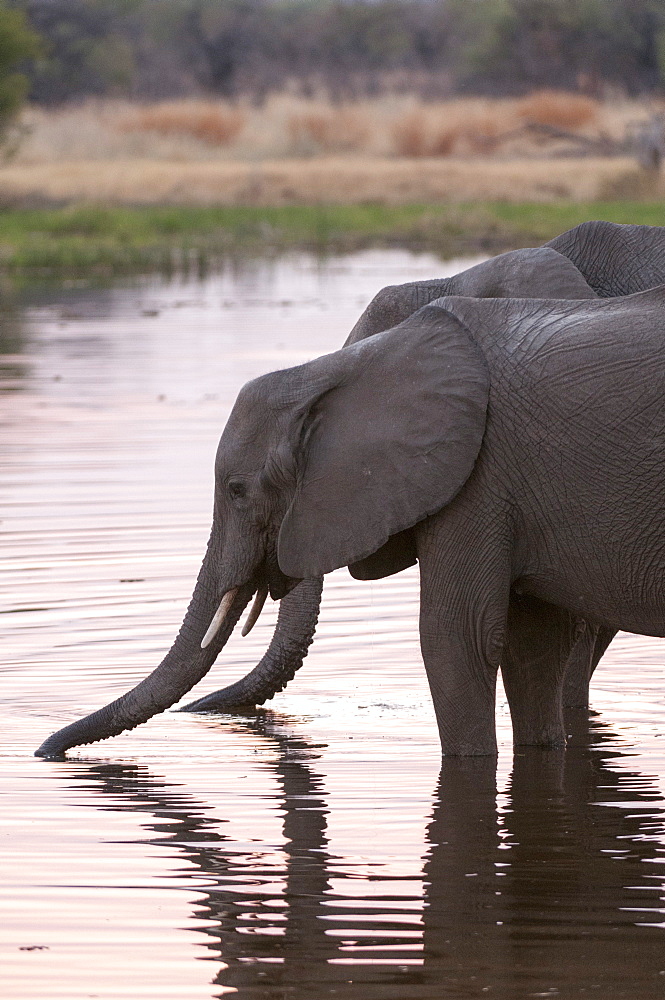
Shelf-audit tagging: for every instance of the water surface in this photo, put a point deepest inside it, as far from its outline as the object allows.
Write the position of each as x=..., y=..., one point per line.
x=316, y=848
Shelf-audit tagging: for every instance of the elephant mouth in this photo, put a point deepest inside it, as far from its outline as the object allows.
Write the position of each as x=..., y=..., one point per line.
x=270, y=574
x=279, y=588
x=269, y=579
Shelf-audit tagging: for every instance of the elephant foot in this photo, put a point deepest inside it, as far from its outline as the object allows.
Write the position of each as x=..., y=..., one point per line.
x=548, y=734
x=543, y=742
x=469, y=751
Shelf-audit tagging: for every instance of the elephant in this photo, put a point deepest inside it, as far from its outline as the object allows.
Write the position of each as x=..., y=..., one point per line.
x=614, y=260
x=536, y=271
x=520, y=439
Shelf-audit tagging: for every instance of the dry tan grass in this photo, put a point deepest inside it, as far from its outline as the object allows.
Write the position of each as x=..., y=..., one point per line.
x=314, y=181
x=290, y=126
x=464, y=127
x=330, y=130
x=410, y=134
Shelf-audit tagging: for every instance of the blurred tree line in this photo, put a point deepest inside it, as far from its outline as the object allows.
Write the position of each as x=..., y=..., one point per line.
x=151, y=49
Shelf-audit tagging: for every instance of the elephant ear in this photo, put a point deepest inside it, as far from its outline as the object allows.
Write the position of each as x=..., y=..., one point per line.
x=398, y=553
x=390, y=438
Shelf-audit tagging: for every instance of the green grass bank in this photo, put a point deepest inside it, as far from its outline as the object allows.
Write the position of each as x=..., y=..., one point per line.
x=97, y=240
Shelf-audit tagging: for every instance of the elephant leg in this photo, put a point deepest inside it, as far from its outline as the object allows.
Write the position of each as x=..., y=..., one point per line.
x=582, y=662
x=538, y=644
x=463, y=605
x=462, y=682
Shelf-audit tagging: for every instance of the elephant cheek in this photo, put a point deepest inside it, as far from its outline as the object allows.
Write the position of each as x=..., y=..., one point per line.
x=237, y=556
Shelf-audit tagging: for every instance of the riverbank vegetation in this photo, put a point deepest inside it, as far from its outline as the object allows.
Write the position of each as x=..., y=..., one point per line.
x=116, y=187
x=541, y=147
x=104, y=241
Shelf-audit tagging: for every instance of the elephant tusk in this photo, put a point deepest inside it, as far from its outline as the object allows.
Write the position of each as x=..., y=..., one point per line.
x=257, y=608
x=219, y=617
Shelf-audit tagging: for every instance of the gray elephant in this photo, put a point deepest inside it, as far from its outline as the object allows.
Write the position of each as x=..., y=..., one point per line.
x=615, y=260
x=538, y=271
x=521, y=439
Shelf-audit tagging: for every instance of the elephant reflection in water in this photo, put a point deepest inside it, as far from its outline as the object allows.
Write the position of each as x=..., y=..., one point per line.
x=556, y=892
x=559, y=889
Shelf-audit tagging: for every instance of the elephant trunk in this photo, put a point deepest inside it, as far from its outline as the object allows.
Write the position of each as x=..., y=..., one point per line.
x=182, y=667
x=296, y=624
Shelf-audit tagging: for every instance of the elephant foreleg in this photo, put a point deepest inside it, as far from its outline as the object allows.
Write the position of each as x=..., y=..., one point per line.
x=583, y=660
x=463, y=604
x=539, y=640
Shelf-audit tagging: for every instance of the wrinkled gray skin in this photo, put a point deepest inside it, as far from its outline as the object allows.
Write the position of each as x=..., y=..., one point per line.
x=541, y=272
x=615, y=260
x=522, y=439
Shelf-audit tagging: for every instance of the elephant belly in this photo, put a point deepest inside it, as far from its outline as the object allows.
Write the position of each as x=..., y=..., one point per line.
x=592, y=539
x=621, y=610
x=611, y=584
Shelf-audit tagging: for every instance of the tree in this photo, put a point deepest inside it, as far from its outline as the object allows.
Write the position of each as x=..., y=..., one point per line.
x=85, y=51
x=517, y=45
x=17, y=44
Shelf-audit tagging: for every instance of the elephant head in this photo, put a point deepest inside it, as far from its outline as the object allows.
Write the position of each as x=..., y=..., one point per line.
x=615, y=259
x=318, y=467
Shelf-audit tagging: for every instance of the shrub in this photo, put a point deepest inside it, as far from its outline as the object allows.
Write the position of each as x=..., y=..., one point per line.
x=209, y=121
x=411, y=135
x=17, y=43
x=446, y=129
x=558, y=109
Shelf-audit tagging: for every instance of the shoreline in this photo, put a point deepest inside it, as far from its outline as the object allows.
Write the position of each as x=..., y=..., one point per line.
x=101, y=240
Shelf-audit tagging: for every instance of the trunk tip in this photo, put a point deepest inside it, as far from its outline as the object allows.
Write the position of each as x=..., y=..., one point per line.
x=52, y=748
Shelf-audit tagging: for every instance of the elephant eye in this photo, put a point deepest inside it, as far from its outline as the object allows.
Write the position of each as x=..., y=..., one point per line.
x=237, y=489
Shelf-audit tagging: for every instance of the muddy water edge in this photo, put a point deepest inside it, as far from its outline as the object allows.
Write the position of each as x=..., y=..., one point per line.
x=315, y=848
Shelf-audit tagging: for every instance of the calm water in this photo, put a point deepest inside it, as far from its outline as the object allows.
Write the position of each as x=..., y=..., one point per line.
x=314, y=849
